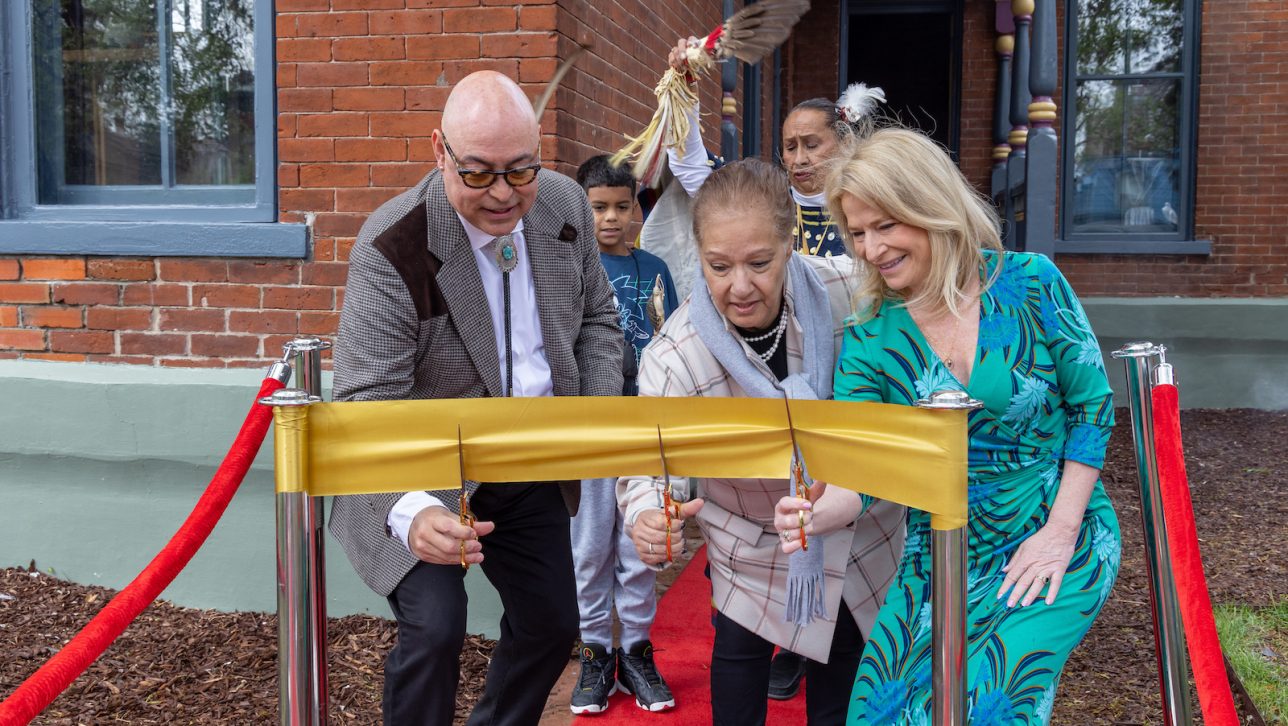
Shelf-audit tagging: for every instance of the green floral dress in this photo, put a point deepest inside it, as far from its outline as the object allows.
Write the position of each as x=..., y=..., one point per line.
x=1039, y=372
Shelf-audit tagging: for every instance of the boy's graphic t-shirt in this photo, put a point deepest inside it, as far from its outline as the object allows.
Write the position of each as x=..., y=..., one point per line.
x=632, y=277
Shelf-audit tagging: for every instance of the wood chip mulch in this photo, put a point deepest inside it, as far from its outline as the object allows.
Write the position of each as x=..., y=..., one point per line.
x=177, y=665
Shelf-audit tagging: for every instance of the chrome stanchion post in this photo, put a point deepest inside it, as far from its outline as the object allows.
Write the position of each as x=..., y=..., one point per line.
x=948, y=597
x=307, y=353
x=1169, y=637
x=295, y=642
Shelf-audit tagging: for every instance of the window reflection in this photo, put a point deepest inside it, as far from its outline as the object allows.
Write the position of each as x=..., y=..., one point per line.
x=141, y=93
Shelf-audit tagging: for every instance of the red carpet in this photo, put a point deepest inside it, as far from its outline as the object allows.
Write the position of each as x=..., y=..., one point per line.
x=682, y=637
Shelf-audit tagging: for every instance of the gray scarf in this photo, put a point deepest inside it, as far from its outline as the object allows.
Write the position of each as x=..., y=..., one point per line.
x=812, y=311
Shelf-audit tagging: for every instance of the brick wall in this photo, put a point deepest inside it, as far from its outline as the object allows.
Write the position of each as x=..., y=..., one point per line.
x=361, y=85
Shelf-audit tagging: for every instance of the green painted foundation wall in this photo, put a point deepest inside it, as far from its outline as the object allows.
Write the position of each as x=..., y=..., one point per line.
x=100, y=464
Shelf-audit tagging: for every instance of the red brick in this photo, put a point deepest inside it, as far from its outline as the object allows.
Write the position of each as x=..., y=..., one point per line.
x=263, y=321
x=225, y=346
x=40, y=268
x=518, y=45
x=338, y=225
x=402, y=124
x=9, y=270
x=303, y=50
x=407, y=73
x=180, y=270
x=44, y=316
x=406, y=22
x=277, y=273
x=303, y=100
x=442, y=47
x=398, y=175
x=8, y=316
x=541, y=17
x=57, y=357
x=420, y=149
x=287, y=75
x=299, y=298
x=330, y=74
x=115, y=269
x=306, y=149
x=86, y=293
x=367, y=99
x=323, y=324
x=288, y=175
x=153, y=344
x=81, y=341
x=172, y=295
x=480, y=20
x=334, y=175
x=537, y=70
x=309, y=200
x=101, y=317
x=286, y=6
x=427, y=99
x=186, y=319
x=329, y=25
x=20, y=292
x=226, y=296
x=273, y=345
x=370, y=150
x=285, y=125
x=192, y=363
x=22, y=339
x=454, y=72
x=362, y=200
x=332, y=124
x=365, y=4
x=366, y=49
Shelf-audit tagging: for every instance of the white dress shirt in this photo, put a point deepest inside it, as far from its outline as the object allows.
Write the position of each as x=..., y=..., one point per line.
x=527, y=347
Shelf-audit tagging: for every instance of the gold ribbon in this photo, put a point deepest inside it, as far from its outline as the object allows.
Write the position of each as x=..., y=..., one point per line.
x=290, y=448
x=911, y=456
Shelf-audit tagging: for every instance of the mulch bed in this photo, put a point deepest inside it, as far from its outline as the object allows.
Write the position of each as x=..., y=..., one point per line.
x=176, y=665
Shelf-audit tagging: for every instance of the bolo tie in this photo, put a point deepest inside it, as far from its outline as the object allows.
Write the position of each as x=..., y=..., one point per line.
x=506, y=258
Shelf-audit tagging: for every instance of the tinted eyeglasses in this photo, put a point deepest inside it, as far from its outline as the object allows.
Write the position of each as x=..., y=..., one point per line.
x=481, y=179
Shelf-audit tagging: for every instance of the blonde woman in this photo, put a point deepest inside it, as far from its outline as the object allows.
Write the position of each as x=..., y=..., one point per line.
x=945, y=307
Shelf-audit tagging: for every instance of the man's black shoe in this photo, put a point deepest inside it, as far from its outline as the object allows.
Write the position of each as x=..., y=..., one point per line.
x=598, y=679
x=785, y=673
x=637, y=675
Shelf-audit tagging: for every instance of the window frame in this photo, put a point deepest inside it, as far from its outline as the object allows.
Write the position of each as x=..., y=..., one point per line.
x=1181, y=241
x=201, y=227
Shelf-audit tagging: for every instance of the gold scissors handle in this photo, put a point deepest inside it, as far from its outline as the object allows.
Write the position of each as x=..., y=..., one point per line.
x=670, y=509
x=466, y=517
x=798, y=470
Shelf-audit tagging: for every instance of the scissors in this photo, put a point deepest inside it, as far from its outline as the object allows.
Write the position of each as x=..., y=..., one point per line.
x=798, y=472
x=467, y=517
x=670, y=509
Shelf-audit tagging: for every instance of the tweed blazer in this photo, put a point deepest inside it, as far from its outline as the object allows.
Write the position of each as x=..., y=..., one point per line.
x=415, y=324
x=748, y=567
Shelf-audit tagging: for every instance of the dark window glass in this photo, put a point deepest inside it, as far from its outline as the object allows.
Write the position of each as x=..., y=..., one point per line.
x=140, y=97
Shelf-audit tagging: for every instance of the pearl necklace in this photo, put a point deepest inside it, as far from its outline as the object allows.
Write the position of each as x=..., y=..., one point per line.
x=777, y=334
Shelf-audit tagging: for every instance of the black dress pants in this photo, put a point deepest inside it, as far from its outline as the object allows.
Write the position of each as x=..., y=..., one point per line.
x=528, y=559
x=740, y=675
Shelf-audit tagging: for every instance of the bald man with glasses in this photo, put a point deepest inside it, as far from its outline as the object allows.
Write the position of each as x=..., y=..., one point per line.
x=482, y=280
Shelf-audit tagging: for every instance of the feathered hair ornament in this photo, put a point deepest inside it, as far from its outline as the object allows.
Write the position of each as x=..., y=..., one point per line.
x=858, y=102
x=748, y=35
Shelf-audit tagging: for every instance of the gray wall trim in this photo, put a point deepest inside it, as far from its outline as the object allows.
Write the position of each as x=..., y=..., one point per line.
x=154, y=239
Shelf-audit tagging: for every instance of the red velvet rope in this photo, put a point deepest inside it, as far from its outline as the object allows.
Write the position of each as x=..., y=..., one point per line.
x=1183, y=544
x=39, y=690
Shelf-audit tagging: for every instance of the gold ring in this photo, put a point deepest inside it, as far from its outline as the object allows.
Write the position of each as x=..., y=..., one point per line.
x=650, y=548
x=787, y=537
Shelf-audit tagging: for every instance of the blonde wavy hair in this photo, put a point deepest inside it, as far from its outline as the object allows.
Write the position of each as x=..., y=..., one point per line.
x=912, y=179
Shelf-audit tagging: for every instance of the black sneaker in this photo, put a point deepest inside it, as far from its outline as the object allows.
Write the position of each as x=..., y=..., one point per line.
x=785, y=673
x=598, y=679
x=637, y=675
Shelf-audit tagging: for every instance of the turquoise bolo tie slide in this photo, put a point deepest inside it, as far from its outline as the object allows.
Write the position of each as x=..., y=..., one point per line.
x=506, y=256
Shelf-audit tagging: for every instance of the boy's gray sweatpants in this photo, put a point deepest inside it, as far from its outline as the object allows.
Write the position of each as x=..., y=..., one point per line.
x=608, y=570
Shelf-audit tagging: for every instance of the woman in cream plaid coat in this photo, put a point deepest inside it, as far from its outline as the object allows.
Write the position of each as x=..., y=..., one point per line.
x=765, y=322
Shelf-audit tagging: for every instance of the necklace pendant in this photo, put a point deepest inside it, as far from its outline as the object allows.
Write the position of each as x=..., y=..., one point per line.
x=949, y=363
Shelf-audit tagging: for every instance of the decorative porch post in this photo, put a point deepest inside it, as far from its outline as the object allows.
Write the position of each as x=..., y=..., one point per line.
x=1005, y=47
x=729, y=104
x=1043, y=146
x=1015, y=165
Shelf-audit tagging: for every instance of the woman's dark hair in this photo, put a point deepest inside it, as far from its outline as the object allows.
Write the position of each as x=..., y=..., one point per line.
x=746, y=186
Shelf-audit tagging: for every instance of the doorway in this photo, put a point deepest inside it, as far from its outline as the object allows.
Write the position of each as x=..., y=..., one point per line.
x=912, y=50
